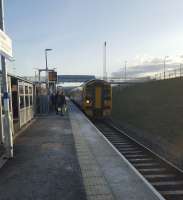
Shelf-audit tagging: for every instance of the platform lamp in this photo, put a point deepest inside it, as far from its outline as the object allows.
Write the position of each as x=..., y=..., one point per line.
x=164, y=64
x=47, y=78
x=46, y=57
x=125, y=69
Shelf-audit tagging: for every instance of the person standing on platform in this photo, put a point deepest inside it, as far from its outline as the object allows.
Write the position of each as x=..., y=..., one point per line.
x=60, y=102
x=53, y=101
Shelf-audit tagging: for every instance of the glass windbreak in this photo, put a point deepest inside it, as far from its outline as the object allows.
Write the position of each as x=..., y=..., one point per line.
x=30, y=90
x=26, y=89
x=26, y=101
x=31, y=101
x=22, y=105
x=21, y=89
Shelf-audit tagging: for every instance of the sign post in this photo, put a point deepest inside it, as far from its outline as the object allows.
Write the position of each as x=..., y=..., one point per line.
x=6, y=52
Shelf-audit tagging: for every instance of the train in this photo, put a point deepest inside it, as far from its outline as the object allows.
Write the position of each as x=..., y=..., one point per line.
x=94, y=97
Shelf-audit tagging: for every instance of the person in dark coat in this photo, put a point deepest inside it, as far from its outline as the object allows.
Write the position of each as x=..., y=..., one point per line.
x=60, y=102
x=53, y=101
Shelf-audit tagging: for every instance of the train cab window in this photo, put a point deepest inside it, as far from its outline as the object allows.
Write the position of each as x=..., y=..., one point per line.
x=22, y=102
x=89, y=93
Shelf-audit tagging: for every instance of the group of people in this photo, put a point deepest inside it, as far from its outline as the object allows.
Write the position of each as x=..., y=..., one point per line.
x=58, y=102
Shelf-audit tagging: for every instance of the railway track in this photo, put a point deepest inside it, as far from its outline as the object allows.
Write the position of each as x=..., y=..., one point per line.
x=162, y=175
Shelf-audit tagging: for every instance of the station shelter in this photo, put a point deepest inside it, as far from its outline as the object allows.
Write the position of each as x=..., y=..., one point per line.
x=21, y=104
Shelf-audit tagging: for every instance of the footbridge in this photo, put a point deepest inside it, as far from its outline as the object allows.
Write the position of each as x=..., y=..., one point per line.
x=74, y=78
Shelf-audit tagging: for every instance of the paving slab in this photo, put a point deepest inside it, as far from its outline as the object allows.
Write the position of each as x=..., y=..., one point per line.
x=45, y=166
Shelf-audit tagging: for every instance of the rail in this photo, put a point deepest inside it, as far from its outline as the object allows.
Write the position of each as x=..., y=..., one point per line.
x=166, y=178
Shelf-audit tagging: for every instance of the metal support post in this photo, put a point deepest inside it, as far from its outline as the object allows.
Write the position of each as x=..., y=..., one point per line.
x=47, y=78
x=121, y=75
x=8, y=131
x=125, y=70
x=164, y=68
x=164, y=65
x=180, y=70
x=39, y=75
x=104, y=62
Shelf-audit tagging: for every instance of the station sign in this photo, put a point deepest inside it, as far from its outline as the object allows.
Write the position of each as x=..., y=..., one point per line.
x=5, y=45
x=52, y=76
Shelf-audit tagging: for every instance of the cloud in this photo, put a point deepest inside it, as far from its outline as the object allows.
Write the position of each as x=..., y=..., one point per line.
x=144, y=70
x=156, y=61
x=147, y=66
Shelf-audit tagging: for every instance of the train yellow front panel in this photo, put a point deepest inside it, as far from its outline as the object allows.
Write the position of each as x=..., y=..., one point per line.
x=98, y=97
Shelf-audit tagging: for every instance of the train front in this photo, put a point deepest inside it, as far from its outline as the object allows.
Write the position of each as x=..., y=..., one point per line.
x=98, y=99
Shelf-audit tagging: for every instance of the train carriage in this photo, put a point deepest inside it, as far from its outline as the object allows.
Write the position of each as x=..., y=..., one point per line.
x=94, y=97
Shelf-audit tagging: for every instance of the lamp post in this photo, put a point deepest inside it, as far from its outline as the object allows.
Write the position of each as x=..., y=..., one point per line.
x=47, y=78
x=104, y=62
x=180, y=70
x=125, y=69
x=164, y=63
x=121, y=74
x=46, y=59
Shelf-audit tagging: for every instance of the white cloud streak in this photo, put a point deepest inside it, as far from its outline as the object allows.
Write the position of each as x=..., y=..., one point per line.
x=148, y=66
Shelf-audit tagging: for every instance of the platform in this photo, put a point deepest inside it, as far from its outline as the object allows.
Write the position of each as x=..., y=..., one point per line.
x=45, y=166
x=68, y=158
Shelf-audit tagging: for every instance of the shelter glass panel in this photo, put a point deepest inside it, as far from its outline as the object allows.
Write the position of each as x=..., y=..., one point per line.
x=31, y=101
x=26, y=101
x=30, y=90
x=26, y=89
x=21, y=89
x=22, y=102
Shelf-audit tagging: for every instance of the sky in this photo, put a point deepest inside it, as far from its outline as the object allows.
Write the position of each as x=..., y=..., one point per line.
x=141, y=32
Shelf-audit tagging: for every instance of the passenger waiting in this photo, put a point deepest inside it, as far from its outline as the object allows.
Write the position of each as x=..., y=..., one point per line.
x=60, y=102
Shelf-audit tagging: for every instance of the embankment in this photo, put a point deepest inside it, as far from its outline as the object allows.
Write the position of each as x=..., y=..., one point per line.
x=153, y=113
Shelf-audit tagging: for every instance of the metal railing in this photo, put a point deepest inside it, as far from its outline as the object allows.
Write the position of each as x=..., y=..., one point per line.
x=169, y=74
x=175, y=73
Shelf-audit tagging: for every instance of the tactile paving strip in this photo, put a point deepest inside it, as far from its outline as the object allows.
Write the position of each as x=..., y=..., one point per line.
x=95, y=184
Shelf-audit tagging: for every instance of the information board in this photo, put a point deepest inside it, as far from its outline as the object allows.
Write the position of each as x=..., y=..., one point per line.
x=52, y=76
x=5, y=45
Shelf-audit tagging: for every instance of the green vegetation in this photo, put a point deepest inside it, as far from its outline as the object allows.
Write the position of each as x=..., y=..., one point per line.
x=154, y=107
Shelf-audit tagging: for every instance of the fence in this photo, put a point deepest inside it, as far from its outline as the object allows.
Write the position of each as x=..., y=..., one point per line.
x=169, y=74
x=175, y=73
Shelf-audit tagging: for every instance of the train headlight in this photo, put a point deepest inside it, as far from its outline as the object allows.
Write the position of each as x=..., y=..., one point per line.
x=88, y=101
